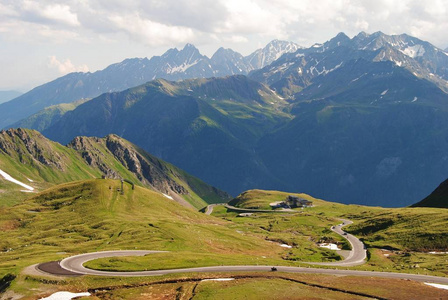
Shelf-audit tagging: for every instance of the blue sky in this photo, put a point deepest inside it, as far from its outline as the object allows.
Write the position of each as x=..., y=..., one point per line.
x=45, y=39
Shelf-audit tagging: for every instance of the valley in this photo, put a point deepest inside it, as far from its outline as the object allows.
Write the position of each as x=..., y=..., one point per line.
x=332, y=120
x=289, y=173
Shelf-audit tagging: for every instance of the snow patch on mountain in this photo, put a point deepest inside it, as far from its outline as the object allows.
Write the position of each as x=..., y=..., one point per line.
x=167, y=196
x=65, y=296
x=182, y=68
x=356, y=79
x=398, y=63
x=414, y=51
x=436, y=285
x=273, y=51
x=8, y=177
x=324, y=69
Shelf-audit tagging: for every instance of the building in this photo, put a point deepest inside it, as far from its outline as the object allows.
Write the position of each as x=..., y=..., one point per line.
x=296, y=201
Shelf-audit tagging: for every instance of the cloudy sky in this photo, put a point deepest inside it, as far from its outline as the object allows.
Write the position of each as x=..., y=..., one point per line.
x=45, y=39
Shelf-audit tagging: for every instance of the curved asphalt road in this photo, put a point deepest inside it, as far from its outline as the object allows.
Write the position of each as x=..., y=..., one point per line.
x=75, y=264
x=210, y=207
x=357, y=256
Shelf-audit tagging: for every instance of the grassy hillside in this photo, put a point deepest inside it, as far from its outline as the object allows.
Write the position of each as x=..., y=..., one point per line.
x=92, y=215
x=44, y=118
x=260, y=199
x=400, y=239
x=438, y=198
x=31, y=158
x=86, y=216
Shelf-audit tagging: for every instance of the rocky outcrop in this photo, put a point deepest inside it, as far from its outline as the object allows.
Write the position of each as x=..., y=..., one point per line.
x=146, y=168
x=29, y=154
x=92, y=155
x=30, y=147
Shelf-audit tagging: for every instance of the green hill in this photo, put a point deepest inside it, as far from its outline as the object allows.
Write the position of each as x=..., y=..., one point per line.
x=31, y=158
x=44, y=118
x=400, y=239
x=92, y=215
x=438, y=198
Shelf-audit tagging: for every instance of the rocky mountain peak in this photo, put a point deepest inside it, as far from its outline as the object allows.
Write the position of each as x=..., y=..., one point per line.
x=341, y=39
x=271, y=52
x=25, y=143
x=190, y=49
x=225, y=52
x=147, y=169
x=362, y=35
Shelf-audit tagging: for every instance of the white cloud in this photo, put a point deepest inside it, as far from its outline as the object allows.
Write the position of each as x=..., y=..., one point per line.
x=66, y=66
x=151, y=33
x=52, y=13
x=247, y=17
x=173, y=22
x=236, y=39
x=61, y=13
x=151, y=26
x=8, y=10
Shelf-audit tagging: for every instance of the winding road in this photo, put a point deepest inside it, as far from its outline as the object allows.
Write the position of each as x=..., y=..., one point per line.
x=358, y=253
x=357, y=256
x=75, y=264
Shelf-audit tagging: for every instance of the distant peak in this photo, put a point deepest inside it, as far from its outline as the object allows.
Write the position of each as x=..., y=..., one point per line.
x=378, y=34
x=280, y=42
x=339, y=40
x=341, y=36
x=224, y=50
x=190, y=49
x=362, y=35
x=276, y=41
x=189, y=46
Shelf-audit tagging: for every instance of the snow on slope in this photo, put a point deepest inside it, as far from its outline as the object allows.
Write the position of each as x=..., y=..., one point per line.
x=414, y=51
x=65, y=296
x=439, y=286
x=9, y=178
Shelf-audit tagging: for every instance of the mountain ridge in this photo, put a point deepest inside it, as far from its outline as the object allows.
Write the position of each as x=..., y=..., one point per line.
x=173, y=65
x=419, y=57
x=28, y=154
x=331, y=140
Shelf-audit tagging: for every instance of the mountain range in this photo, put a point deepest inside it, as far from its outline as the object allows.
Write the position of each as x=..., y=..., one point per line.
x=172, y=65
x=295, y=71
x=334, y=120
